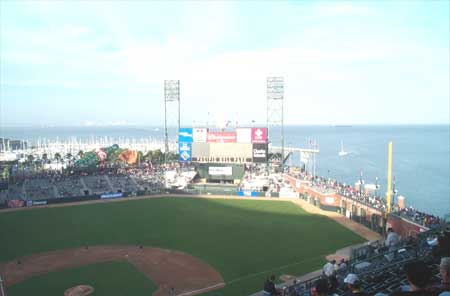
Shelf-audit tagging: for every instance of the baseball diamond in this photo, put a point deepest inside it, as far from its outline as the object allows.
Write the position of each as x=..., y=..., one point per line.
x=184, y=246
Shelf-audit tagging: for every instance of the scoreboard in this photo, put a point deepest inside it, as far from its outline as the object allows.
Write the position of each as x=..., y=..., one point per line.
x=242, y=145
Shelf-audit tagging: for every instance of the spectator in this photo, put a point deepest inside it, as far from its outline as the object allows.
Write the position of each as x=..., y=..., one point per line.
x=445, y=275
x=418, y=275
x=269, y=287
x=354, y=285
x=391, y=243
x=321, y=288
x=392, y=239
x=441, y=247
x=329, y=268
x=342, y=267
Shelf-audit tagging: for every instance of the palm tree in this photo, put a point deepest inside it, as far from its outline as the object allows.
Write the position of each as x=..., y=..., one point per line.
x=80, y=154
x=57, y=157
x=148, y=156
x=30, y=160
x=45, y=157
x=158, y=156
x=140, y=157
x=69, y=157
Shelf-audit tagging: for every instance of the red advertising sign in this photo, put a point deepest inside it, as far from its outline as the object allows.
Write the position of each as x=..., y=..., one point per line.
x=224, y=137
x=16, y=203
x=259, y=135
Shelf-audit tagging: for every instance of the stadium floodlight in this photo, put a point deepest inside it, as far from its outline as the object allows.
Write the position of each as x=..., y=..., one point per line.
x=171, y=113
x=275, y=116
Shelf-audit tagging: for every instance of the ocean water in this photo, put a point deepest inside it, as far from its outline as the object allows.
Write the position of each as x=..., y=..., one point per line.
x=421, y=154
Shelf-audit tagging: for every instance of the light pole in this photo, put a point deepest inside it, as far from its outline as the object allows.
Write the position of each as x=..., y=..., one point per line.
x=360, y=184
x=376, y=187
x=394, y=193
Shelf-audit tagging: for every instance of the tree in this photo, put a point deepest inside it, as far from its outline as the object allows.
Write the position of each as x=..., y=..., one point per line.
x=30, y=160
x=140, y=157
x=158, y=156
x=57, y=157
x=5, y=173
x=69, y=157
x=148, y=156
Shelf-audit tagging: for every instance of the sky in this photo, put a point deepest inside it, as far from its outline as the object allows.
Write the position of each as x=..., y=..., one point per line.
x=104, y=63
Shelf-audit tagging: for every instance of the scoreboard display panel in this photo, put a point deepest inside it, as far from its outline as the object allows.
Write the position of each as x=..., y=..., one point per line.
x=242, y=145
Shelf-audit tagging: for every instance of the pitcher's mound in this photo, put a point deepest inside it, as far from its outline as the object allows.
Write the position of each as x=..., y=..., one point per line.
x=81, y=290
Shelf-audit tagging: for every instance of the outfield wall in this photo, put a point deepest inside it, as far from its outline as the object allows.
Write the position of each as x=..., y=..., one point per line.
x=372, y=218
x=355, y=210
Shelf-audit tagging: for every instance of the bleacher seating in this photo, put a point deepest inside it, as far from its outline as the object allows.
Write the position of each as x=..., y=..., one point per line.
x=70, y=186
x=384, y=271
x=39, y=188
x=97, y=184
x=123, y=183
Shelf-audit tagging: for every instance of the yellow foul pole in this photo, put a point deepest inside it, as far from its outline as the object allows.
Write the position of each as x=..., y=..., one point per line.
x=389, y=178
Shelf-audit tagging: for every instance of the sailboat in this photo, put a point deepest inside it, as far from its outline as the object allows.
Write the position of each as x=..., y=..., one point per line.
x=342, y=152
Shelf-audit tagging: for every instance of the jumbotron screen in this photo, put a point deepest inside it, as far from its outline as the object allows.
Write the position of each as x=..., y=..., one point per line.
x=242, y=145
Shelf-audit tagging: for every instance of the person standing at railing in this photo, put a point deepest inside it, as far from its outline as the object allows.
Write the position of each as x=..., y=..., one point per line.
x=392, y=239
x=269, y=287
x=329, y=269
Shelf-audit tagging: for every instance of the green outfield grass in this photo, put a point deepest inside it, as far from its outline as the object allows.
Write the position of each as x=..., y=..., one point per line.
x=244, y=240
x=110, y=278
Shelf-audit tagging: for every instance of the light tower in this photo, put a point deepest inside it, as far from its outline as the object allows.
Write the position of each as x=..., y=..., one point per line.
x=171, y=113
x=275, y=115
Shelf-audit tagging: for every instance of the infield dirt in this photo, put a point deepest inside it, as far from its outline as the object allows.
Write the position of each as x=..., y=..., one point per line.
x=186, y=274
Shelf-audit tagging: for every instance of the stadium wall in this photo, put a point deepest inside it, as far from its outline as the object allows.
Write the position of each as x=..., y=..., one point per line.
x=355, y=210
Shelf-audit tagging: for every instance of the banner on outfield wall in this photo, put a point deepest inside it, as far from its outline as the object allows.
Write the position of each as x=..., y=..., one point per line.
x=243, y=135
x=184, y=152
x=223, y=171
x=288, y=194
x=260, y=152
x=199, y=135
x=259, y=135
x=39, y=202
x=111, y=195
x=247, y=193
x=15, y=203
x=221, y=137
x=185, y=135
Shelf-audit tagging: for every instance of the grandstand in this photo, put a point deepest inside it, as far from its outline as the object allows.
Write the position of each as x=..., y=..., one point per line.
x=67, y=186
x=383, y=271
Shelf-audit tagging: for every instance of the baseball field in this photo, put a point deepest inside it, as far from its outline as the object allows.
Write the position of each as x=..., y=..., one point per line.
x=140, y=247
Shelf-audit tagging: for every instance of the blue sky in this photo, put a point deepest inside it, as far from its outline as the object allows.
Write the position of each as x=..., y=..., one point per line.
x=77, y=63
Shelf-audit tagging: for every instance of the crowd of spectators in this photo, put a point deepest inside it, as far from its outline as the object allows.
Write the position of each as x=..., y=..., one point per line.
x=257, y=179
x=50, y=184
x=363, y=195
x=68, y=186
x=419, y=217
x=148, y=179
x=123, y=182
x=416, y=268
